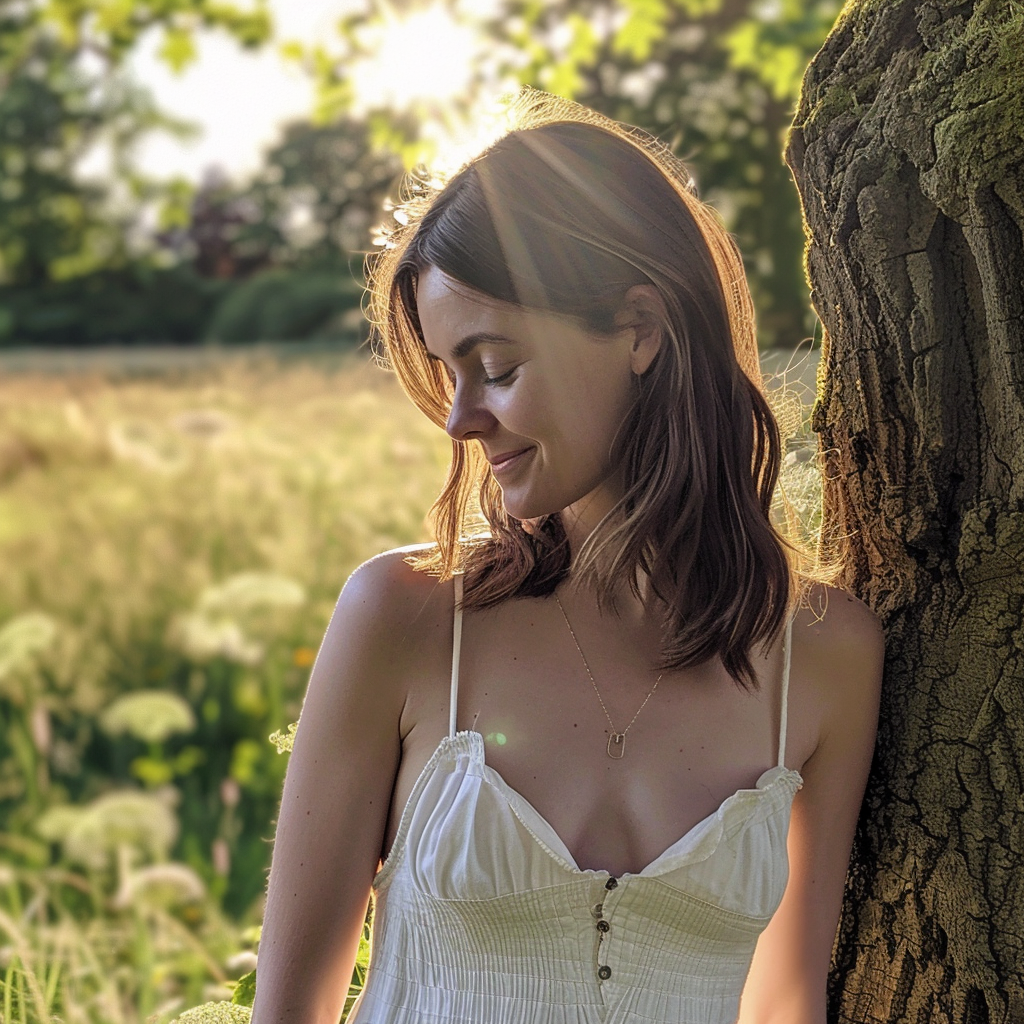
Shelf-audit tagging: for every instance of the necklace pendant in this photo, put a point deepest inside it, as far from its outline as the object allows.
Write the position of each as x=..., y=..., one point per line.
x=616, y=745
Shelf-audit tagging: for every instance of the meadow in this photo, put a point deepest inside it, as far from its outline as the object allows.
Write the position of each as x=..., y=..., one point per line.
x=172, y=542
x=172, y=545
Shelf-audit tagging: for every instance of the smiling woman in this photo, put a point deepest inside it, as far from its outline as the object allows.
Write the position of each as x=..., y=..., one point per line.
x=545, y=411
x=578, y=322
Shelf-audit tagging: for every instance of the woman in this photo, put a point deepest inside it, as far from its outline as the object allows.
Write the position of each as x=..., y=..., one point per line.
x=576, y=741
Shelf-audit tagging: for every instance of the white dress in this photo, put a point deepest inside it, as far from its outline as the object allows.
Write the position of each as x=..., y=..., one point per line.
x=483, y=917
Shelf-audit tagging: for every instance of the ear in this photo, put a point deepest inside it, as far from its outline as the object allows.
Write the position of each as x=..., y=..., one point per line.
x=643, y=312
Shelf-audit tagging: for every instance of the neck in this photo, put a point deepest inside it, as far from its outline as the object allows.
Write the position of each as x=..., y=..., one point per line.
x=640, y=608
x=580, y=519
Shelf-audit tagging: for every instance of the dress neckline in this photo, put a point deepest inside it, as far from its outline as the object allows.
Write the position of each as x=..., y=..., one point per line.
x=543, y=833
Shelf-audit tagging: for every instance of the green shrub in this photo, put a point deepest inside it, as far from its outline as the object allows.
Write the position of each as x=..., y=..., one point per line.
x=128, y=306
x=289, y=305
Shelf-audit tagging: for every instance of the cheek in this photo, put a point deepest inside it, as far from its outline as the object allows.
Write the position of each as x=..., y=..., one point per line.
x=599, y=407
x=588, y=422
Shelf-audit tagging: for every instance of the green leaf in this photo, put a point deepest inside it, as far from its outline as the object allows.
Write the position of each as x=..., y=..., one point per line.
x=178, y=49
x=245, y=990
x=151, y=771
x=644, y=26
x=294, y=52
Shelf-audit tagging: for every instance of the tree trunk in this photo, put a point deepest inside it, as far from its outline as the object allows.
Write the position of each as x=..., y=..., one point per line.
x=908, y=150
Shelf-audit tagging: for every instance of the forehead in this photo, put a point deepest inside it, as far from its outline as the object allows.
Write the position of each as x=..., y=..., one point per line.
x=450, y=310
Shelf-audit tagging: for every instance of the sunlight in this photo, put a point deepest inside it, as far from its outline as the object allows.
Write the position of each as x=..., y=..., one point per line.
x=423, y=56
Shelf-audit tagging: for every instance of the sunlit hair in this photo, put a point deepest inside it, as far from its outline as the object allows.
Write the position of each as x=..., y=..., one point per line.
x=564, y=214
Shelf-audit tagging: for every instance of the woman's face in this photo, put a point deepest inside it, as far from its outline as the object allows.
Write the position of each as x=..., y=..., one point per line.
x=544, y=397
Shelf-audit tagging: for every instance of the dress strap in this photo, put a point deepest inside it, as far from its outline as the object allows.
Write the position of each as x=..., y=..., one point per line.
x=787, y=655
x=453, y=703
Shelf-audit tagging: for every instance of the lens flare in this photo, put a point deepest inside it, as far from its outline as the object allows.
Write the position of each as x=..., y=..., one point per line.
x=425, y=56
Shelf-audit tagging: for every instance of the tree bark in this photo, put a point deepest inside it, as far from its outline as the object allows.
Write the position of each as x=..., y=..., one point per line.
x=907, y=149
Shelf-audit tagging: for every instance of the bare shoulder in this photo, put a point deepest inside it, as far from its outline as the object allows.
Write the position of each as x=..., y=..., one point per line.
x=388, y=586
x=836, y=621
x=839, y=648
x=390, y=612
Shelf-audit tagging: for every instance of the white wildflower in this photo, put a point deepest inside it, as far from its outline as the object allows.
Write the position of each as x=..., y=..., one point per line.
x=22, y=639
x=148, y=715
x=250, y=590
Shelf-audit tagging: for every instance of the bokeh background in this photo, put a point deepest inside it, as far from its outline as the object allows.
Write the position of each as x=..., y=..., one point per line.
x=195, y=448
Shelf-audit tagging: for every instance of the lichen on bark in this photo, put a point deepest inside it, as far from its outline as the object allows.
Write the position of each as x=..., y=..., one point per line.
x=907, y=150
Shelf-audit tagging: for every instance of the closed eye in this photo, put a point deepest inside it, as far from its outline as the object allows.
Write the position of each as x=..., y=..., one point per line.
x=502, y=378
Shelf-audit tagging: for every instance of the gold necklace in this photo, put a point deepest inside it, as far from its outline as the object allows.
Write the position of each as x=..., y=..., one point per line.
x=617, y=740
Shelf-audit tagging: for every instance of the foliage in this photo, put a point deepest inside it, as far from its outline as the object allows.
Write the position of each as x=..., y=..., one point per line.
x=52, y=225
x=135, y=303
x=90, y=947
x=137, y=782
x=290, y=304
x=60, y=96
x=313, y=201
x=717, y=80
x=74, y=280
x=245, y=992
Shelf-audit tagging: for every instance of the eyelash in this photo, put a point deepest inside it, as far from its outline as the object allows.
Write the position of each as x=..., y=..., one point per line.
x=502, y=378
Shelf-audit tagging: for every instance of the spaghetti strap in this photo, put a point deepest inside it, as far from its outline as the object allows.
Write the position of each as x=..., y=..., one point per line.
x=787, y=653
x=453, y=702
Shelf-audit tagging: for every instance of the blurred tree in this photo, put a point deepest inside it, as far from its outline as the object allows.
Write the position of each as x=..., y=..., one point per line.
x=716, y=79
x=312, y=204
x=322, y=190
x=287, y=237
x=59, y=96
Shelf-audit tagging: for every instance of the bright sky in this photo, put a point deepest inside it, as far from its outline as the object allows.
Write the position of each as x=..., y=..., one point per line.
x=238, y=98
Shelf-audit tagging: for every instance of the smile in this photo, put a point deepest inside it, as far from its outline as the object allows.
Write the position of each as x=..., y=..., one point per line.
x=507, y=460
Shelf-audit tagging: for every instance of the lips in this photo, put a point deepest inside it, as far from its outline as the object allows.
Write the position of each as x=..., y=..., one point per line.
x=506, y=460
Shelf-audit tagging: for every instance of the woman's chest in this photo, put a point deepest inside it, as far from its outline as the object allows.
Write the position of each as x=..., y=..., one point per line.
x=683, y=746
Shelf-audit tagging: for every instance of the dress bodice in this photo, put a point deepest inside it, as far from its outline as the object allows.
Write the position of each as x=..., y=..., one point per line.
x=483, y=917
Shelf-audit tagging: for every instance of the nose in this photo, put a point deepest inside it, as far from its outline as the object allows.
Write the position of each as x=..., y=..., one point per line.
x=469, y=418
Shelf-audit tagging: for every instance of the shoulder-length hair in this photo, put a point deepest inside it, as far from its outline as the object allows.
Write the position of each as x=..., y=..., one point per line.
x=564, y=214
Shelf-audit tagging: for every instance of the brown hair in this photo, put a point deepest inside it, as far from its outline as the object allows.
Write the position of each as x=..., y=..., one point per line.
x=564, y=214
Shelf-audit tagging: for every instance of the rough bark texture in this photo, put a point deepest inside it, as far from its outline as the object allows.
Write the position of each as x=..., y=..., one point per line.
x=907, y=149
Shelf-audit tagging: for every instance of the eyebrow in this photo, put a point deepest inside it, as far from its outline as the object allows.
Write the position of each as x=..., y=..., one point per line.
x=471, y=341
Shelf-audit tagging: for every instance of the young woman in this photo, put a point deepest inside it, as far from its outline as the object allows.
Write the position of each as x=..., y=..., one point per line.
x=590, y=744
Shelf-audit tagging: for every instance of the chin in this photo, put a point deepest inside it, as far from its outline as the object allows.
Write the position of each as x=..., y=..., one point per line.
x=523, y=507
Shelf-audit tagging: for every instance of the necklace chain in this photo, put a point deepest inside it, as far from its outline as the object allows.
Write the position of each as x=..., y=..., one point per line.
x=617, y=740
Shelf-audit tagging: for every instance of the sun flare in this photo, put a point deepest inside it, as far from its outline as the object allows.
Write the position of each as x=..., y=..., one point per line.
x=423, y=56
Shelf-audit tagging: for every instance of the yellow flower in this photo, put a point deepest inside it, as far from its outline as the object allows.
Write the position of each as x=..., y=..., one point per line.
x=303, y=657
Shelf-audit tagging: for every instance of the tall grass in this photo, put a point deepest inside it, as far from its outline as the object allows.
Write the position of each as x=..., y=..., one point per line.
x=172, y=546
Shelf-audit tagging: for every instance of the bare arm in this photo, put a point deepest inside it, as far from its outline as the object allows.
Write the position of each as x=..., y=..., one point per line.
x=787, y=980
x=334, y=808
